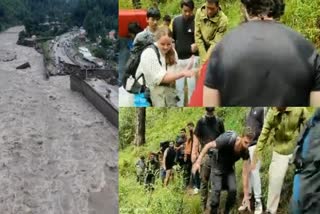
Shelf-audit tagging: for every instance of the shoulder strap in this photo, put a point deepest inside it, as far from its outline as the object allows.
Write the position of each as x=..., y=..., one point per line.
x=155, y=48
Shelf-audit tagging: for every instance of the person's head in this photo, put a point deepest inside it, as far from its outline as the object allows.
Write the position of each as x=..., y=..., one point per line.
x=142, y=157
x=247, y=136
x=264, y=8
x=187, y=7
x=183, y=132
x=171, y=144
x=190, y=126
x=153, y=17
x=281, y=109
x=210, y=111
x=163, y=36
x=166, y=20
x=212, y=7
x=134, y=29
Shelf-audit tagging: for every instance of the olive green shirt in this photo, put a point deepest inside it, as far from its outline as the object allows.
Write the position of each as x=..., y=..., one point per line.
x=283, y=128
x=208, y=31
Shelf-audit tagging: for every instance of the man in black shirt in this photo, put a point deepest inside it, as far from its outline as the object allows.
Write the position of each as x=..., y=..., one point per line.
x=180, y=144
x=168, y=158
x=183, y=34
x=208, y=128
x=263, y=63
x=229, y=148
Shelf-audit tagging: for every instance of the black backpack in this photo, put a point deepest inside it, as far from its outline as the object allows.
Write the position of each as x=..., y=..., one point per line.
x=306, y=188
x=164, y=145
x=129, y=75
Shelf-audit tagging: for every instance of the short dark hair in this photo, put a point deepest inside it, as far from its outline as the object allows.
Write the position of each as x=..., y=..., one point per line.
x=134, y=28
x=210, y=109
x=271, y=8
x=190, y=124
x=213, y=2
x=248, y=132
x=187, y=3
x=183, y=130
x=154, y=13
x=167, y=18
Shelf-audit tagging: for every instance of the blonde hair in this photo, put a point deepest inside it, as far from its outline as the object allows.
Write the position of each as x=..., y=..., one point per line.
x=170, y=55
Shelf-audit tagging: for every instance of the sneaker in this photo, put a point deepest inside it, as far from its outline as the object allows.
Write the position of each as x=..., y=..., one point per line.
x=243, y=207
x=258, y=207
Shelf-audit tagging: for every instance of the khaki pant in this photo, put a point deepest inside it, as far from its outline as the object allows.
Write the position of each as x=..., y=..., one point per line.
x=277, y=171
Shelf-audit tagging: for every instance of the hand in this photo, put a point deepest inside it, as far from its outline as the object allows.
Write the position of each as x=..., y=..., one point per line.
x=246, y=201
x=188, y=73
x=194, y=48
x=196, y=167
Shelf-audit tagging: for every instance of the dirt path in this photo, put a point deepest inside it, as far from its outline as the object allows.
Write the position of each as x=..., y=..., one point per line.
x=58, y=154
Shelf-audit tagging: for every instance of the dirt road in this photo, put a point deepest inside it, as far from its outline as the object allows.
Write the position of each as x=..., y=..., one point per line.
x=58, y=154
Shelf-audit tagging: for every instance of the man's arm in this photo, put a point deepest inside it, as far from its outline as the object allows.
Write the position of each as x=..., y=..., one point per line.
x=164, y=158
x=195, y=149
x=221, y=31
x=245, y=178
x=211, y=97
x=315, y=98
x=245, y=182
x=198, y=36
x=196, y=165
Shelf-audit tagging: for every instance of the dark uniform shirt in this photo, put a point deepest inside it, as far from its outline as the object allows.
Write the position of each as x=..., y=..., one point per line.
x=264, y=63
x=208, y=129
x=227, y=157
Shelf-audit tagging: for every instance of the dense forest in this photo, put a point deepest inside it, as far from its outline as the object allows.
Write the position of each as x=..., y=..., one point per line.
x=97, y=16
x=164, y=124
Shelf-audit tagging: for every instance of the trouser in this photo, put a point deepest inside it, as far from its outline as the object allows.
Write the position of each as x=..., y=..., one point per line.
x=205, y=170
x=255, y=181
x=187, y=171
x=196, y=180
x=219, y=182
x=277, y=171
x=180, y=83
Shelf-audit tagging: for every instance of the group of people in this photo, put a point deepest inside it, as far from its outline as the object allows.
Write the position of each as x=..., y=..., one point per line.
x=213, y=151
x=232, y=60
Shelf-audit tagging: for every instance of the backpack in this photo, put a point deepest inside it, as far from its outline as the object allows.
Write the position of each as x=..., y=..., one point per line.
x=129, y=80
x=306, y=157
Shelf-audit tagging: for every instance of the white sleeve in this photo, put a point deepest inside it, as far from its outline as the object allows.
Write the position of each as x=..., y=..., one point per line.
x=151, y=68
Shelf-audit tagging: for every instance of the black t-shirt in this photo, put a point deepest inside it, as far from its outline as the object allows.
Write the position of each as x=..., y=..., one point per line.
x=169, y=161
x=264, y=63
x=254, y=120
x=226, y=156
x=183, y=34
x=208, y=129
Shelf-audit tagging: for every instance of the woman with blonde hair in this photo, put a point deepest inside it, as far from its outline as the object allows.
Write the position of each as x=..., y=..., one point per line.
x=158, y=67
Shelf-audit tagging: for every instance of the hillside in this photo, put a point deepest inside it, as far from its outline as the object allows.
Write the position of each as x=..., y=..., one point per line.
x=164, y=124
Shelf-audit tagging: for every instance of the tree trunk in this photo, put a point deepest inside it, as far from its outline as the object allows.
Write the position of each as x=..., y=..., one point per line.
x=140, y=127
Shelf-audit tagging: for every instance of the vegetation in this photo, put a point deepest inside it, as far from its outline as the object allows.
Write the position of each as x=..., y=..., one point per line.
x=54, y=17
x=303, y=16
x=164, y=124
